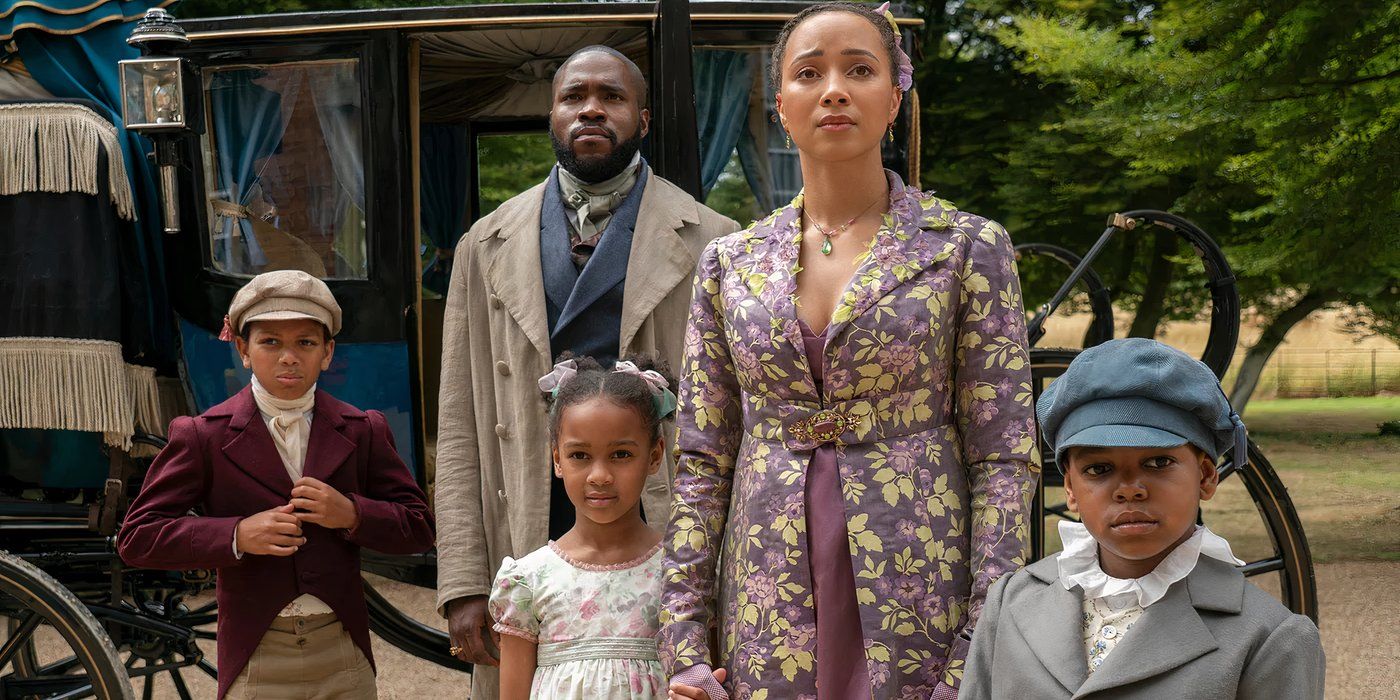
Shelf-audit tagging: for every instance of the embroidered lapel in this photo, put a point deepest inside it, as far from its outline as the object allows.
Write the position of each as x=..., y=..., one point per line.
x=1049, y=619
x=769, y=269
x=898, y=253
x=252, y=450
x=327, y=448
x=608, y=265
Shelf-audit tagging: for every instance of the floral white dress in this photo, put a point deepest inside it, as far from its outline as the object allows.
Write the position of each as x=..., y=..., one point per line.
x=595, y=625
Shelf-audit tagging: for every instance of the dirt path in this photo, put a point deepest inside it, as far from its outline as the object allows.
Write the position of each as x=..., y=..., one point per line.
x=1360, y=602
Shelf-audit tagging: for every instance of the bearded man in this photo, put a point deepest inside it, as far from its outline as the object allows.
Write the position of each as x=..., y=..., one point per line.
x=597, y=260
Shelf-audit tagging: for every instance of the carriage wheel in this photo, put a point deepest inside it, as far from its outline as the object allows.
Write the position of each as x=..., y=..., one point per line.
x=1220, y=281
x=42, y=614
x=1281, y=551
x=1100, y=328
x=163, y=643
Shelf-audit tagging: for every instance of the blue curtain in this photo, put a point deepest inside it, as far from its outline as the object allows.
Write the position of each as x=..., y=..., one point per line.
x=68, y=17
x=85, y=66
x=771, y=167
x=247, y=128
x=723, y=80
x=443, y=182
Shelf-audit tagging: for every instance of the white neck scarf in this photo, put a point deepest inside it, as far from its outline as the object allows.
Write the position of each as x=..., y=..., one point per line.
x=595, y=201
x=288, y=424
x=1079, y=564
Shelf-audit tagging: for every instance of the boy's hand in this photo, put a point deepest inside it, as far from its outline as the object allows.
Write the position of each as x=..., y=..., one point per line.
x=680, y=691
x=273, y=532
x=317, y=502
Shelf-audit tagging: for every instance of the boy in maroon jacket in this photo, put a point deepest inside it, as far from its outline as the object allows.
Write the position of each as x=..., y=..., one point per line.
x=291, y=483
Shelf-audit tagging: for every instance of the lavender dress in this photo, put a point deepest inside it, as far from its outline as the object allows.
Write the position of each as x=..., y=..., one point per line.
x=841, y=672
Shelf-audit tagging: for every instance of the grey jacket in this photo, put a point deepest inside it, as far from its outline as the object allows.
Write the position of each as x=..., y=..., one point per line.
x=1214, y=635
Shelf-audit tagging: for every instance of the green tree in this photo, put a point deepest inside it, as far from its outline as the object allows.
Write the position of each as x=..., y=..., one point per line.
x=1271, y=124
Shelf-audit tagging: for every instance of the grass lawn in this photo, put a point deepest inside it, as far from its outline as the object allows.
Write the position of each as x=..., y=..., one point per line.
x=1344, y=477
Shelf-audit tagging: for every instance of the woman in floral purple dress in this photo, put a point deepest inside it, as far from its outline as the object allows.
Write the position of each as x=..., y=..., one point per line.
x=856, y=431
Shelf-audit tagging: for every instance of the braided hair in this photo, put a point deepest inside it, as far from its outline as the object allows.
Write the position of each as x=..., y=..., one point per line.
x=594, y=381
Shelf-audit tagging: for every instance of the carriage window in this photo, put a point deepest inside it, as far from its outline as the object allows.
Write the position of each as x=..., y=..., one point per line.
x=285, y=167
x=510, y=163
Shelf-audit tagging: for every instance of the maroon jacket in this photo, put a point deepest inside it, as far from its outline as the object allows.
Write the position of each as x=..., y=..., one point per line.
x=225, y=463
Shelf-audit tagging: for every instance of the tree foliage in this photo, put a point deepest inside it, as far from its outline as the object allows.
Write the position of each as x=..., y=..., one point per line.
x=1272, y=124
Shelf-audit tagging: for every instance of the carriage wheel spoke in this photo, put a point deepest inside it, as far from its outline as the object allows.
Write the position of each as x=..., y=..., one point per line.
x=21, y=635
x=201, y=634
x=208, y=668
x=1062, y=510
x=1228, y=470
x=76, y=694
x=205, y=609
x=59, y=668
x=1263, y=566
x=180, y=687
x=148, y=690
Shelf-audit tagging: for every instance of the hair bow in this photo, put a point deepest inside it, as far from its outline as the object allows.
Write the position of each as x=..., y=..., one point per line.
x=562, y=372
x=661, y=396
x=904, y=68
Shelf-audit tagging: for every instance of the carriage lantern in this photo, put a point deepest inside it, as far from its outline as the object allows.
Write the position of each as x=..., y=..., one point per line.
x=155, y=100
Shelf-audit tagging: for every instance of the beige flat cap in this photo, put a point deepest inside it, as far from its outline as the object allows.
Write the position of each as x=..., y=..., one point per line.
x=280, y=296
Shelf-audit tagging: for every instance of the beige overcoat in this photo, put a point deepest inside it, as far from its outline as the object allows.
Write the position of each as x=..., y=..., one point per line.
x=493, y=465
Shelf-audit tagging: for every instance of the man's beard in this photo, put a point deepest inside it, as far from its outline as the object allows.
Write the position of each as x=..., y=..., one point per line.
x=597, y=169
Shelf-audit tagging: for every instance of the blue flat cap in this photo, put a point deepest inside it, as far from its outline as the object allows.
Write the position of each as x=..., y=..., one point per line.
x=1136, y=392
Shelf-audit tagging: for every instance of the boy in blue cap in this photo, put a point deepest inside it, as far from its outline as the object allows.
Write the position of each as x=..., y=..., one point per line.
x=1142, y=602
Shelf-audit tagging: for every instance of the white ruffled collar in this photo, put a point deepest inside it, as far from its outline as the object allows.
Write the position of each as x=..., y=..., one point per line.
x=1079, y=564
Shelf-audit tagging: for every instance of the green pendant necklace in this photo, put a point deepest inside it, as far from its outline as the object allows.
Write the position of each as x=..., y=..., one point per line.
x=828, y=234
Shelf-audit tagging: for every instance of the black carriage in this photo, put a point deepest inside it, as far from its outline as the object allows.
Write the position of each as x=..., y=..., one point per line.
x=358, y=146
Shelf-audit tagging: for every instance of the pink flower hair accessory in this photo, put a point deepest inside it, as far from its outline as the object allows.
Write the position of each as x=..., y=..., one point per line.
x=904, y=68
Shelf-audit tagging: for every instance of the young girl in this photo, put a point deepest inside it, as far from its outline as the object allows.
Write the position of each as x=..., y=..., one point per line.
x=577, y=617
x=1143, y=602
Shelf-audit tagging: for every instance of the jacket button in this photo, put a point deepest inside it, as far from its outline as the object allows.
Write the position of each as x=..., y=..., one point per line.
x=501, y=431
x=496, y=302
x=503, y=368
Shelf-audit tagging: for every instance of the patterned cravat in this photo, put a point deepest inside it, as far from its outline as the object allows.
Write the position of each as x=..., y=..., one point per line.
x=593, y=204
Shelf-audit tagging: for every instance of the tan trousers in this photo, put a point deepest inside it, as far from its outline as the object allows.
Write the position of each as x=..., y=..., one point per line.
x=306, y=658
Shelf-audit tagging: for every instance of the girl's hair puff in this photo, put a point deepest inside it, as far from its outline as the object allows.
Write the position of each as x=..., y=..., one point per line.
x=593, y=380
x=878, y=20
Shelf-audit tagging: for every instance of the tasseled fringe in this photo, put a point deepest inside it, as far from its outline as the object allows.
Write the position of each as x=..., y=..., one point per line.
x=141, y=381
x=53, y=147
x=70, y=384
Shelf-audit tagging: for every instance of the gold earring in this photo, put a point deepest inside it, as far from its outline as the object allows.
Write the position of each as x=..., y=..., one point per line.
x=891, y=132
x=789, y=138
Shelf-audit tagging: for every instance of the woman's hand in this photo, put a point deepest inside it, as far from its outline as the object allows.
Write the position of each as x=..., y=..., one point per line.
x=318, y=502
x=680, y=691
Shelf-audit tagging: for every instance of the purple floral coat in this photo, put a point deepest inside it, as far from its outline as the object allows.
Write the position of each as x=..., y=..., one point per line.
x=927, y=397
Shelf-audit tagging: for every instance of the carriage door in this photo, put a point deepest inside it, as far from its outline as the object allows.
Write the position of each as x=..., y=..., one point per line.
x=300, y=166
